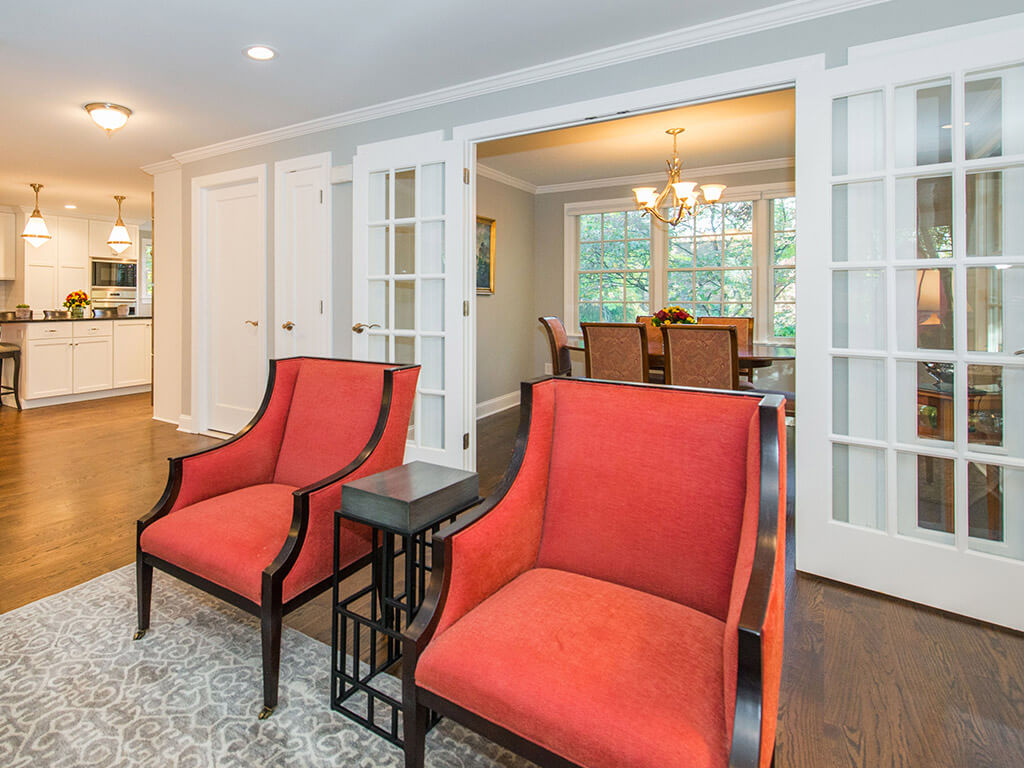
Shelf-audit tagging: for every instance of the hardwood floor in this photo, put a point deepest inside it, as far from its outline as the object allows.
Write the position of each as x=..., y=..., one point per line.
x=868, y=681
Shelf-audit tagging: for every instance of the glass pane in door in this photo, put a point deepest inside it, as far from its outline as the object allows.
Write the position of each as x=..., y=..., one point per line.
x=925, y=488
x=996, y=524
x=994, y=112
x=922, y=115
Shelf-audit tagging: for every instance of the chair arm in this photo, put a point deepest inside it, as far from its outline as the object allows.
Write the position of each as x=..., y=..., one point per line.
x=759, y=624
x=498, y=539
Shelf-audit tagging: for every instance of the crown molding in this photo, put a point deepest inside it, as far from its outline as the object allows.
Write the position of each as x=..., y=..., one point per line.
x=654, y=178
x=161, y=167
x=772, y=17
x=503, y=178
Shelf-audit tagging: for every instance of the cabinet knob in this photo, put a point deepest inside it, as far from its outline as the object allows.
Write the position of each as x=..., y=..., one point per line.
x=288, y=325
x=253, y=323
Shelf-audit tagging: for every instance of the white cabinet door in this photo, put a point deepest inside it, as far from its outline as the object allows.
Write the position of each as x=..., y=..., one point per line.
x=41, y=286
x=99, y=231
x=48, y=368
x=73, y=257
x=8, y=238
x=132, y=352
x=93, y=364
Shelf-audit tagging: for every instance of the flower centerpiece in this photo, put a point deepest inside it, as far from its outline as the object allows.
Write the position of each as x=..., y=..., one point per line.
x=673, y=316
x=77, y=301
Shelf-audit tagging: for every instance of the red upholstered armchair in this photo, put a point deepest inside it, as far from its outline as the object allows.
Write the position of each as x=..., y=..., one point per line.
x=251, y=520
x=593, y=614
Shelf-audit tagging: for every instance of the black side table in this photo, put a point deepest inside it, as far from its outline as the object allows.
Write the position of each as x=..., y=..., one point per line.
x=408, y=502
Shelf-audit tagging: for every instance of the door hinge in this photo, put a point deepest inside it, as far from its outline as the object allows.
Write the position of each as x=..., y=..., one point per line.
x=465, y=175
x=465, y=308
x=321, y=306
x=321, y=197
x=465, y=442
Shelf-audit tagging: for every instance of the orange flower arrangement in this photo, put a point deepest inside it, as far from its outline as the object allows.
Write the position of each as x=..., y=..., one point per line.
x=673, y=316
x=77, y=299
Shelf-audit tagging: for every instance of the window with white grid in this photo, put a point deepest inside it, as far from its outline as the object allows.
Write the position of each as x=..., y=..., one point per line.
x=783, y=267
x=613, y=266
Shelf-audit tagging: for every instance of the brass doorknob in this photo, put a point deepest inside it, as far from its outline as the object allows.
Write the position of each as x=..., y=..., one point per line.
x=360, y=327
x=288, y=325
x=253, y=323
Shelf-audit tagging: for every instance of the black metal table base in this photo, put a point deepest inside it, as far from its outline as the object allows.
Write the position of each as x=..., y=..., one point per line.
x=369, y=623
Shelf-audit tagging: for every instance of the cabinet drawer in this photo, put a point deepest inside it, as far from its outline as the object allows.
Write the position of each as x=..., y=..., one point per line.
x=85, y=328
x=35, y=331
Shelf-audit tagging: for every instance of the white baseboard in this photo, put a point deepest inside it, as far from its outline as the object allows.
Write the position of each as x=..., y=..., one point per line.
x=42, y=402
x=497, y=404
x=165, y=421
x=185, y=423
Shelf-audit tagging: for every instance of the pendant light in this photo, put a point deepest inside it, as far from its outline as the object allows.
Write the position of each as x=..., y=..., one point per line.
x=36, y=232
x=119, y=239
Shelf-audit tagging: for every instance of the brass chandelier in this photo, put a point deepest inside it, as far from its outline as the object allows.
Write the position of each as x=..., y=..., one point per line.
x=682, y=198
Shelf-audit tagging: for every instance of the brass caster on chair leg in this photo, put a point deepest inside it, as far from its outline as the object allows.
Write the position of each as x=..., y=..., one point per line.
x=265, y=713
x=139, y=634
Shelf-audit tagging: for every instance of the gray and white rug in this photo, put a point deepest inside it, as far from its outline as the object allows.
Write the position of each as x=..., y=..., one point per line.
x=76, y=691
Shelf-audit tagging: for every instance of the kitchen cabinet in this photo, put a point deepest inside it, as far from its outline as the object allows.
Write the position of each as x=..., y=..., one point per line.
x=72, y=257
x=93, y=364
x=133, y=342
x=47, y=366
x=8, y=245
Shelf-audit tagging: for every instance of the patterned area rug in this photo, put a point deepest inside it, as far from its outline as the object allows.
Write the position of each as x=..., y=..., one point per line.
x=76, y=691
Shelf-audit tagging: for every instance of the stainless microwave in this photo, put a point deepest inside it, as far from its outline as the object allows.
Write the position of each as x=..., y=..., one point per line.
x=113, y=274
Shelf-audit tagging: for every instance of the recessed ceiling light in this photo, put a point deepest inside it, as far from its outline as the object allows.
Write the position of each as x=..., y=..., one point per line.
x=260, y=52
x=108, y=116
x=70, y=206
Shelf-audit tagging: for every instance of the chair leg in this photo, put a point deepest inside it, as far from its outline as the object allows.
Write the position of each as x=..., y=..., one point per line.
x=415, y=734
x=15, y=381
x=144, y=596
x=270, y=627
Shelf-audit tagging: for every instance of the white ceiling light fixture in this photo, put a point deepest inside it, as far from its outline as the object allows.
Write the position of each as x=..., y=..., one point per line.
x=260, y=52
x=109, y=117
x=119, y=239
x=35, y=232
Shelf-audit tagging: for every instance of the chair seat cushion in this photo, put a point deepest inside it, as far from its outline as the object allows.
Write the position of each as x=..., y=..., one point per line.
x=228, y=539
x=604, y=675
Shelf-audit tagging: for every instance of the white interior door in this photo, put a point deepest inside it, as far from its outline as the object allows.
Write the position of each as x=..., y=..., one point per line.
x=302, y=257
x=409, y=281
x=228, y=298
x=912, y=453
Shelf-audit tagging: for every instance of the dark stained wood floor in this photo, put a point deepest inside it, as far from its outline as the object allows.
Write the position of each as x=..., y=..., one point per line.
x=868, y=682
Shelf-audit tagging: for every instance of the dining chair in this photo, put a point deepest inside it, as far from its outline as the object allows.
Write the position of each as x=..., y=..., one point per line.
x=654, y=347
x=701, y=356
x=616, y=351
x=558, y=339
x=744, y=333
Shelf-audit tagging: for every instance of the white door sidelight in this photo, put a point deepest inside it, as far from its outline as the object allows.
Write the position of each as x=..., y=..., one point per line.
x=408, y=276
x=911, y=323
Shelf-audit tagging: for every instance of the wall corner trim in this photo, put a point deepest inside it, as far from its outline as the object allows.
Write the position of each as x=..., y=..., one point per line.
x=503, y=178
x=161, y=167
x=185, y=423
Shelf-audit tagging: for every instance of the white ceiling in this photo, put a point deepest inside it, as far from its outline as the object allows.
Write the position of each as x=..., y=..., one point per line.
x=742, y=130
x=180, y=67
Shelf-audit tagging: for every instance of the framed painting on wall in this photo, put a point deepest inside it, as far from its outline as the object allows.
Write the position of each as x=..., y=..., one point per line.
x=484, y=254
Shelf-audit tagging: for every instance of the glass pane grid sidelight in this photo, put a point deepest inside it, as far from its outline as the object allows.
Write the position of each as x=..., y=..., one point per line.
x=928, y=311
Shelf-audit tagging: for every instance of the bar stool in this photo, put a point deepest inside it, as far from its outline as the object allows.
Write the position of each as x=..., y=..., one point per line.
x=12, y=351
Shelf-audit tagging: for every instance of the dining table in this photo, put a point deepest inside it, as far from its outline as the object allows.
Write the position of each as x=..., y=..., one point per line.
x=758, y=355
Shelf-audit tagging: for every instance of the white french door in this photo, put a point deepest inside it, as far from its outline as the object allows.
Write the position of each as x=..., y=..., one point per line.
x=409, y=280
x=911, y=324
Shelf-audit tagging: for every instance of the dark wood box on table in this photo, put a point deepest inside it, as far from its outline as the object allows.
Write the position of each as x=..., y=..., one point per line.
x=408, y=499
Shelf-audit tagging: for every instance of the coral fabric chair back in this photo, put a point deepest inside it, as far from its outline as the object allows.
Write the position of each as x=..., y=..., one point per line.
x=616, y=351
x=674, y=531
x=744, y=327
x=701, y=356
x=558, y=339
x=654, y=342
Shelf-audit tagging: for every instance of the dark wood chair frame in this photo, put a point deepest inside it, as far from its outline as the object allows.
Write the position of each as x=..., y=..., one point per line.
x=644, y=352
x=561, y=362
x=666, y=336
x=419, y=703
x=12, y=353
x=271, y=608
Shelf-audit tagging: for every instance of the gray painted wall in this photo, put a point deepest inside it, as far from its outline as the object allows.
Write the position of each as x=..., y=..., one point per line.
x=505, y=320
x=830, y=36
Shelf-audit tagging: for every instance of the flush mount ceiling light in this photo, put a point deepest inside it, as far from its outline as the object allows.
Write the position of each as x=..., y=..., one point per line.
x=684, y=196
x=70, y=206
x=119, y=239
x=260, y=52
x=36, y=232
x=108, y=116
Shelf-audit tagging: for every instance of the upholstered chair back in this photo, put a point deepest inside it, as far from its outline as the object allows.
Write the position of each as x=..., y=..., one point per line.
x=701, y=356
x=654, y=344
x=744, y=327
x=616, y=351
x=558, y=340
x=649, y=487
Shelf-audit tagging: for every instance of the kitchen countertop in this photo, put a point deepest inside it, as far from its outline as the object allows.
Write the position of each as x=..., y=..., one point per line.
x=76, y=319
